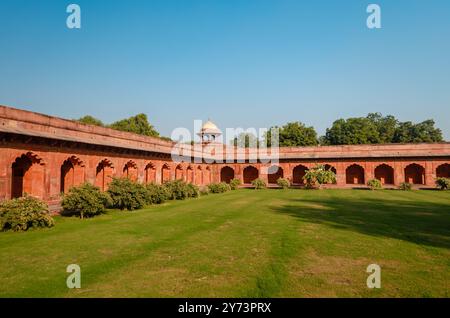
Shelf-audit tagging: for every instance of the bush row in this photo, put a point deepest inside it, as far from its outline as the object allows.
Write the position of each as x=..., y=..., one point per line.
x=124, y=194
x=441, y=183
x=24, y=213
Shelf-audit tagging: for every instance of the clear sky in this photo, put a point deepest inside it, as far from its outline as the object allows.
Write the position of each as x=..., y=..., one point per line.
x=243, y=63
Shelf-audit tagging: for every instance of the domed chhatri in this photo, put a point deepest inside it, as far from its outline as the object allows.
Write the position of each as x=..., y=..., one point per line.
x=209, y=132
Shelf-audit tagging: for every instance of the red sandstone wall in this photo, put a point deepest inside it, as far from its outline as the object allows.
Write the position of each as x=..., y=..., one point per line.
x=44, y=178
x=46, y=184
x=33, y=124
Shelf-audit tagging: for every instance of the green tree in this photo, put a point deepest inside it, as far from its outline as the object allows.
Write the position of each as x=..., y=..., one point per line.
x=294, y=134
x=375, y=129
x=407, y=132
x=319, y=175
x=90, y=120
x=136, y=124
x=386, y=126
x=352, y=131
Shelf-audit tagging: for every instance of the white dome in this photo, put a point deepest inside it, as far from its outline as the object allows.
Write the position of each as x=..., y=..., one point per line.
x=210, y=128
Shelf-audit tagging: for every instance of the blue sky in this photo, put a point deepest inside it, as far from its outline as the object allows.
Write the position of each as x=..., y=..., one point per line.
x=248, y=63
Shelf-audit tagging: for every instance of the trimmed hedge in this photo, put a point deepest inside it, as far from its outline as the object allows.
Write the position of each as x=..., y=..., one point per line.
x=204, y=190
x=193, y=190
x=24, y=213
x=156, y=194
x=180, y=190
x=127, y=194
x=374, y=184
x=443, y=183
x=85, y=200
x=220, y=187
x=235, y=183
x=405, y=186
x=283, y=183
x=259, y=184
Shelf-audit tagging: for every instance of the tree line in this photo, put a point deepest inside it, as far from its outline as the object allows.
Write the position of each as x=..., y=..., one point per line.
x=138, y=124
x=372, y=129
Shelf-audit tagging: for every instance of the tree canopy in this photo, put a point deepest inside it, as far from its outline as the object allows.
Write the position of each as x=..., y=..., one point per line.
x=90, y=120
x=421, y=132
x=376, y=129
x=372, y=129
x=136, y=124
x=294, y=134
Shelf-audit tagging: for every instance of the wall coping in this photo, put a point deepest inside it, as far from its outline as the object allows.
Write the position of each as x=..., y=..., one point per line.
x=23, y=122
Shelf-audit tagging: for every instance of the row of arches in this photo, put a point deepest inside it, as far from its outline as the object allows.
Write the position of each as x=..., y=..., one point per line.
x=28, y=174
x=354, y=174
x=198, y=175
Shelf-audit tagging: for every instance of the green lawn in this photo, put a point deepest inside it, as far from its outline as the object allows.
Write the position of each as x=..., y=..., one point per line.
x=268, y=243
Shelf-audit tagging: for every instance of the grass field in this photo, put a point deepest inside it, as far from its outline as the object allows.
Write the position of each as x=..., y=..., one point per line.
x=245, y=243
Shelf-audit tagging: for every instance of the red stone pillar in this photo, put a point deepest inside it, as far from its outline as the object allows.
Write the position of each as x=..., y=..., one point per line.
x=90, y=170
x=287, y=171
x=53, y=178
x=430, y=177
x=5, y=176
x=239, y=172
x=340, y=174
x=158, y=171
x=399, y=173
x=140, y=172
x=263, y=173
x=215, y=173
x=369, y=173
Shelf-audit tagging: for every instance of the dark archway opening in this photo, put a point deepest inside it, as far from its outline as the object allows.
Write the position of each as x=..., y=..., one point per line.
x=165, y=173
x=332, y=169
x=275, y=173
x=443, y=171
x=67, y=176
x=385, y=174
x=104, y=174
x=354, y=174
x=19, y=168
x=226, y=174
x=250, y=174
x=415, y=174
x=298, y=173
x=150, y=173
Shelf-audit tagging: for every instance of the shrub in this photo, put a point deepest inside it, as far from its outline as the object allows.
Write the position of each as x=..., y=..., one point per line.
x=204, y=191
x=405, y=186
x=374, y=184
x=443, y=183
x=259, y=184
x=24, y=213
x=127, y=194
x=85, y=200
x=317, y=176
x=235, y=183
x=283, y=183
x=156, y=194
x=220, y=187
x=193, y=190
x=180, y=190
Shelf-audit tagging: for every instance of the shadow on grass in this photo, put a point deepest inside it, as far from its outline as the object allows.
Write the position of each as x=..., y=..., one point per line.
x=423, y=223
